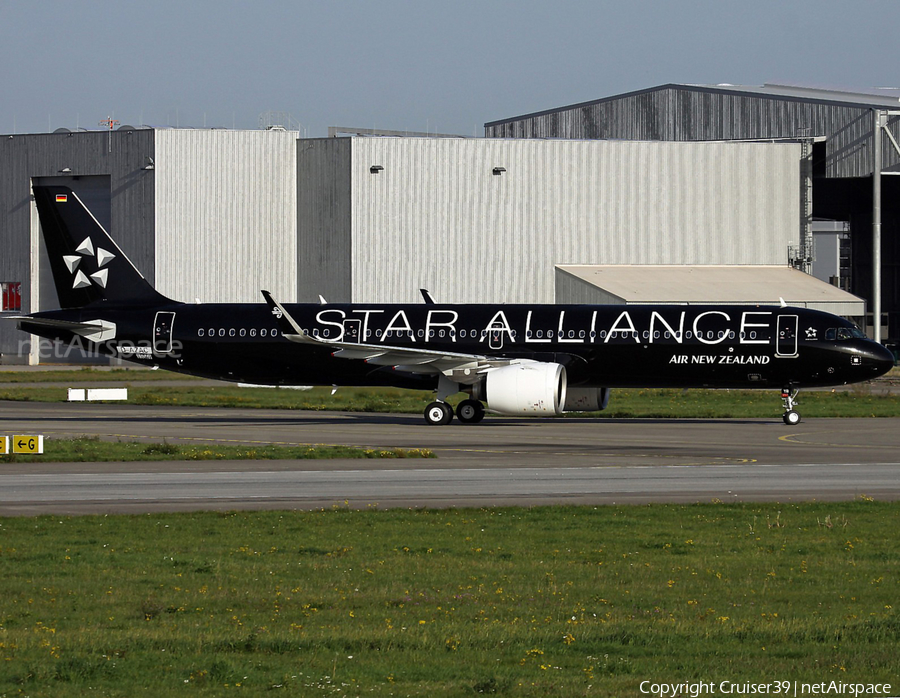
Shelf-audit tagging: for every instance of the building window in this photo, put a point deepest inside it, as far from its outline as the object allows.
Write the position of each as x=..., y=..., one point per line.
x=11, y=296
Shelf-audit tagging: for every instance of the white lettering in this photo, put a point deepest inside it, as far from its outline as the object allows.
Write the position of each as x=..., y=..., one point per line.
x=561, y=333
x=430, y=323
x=744, y=325
x=364, y=332
x=699, y=332
x=615, y=327
x=499, y=323
x=406, y=327
x=528, y=338
x=678, y=335
x=320, y=319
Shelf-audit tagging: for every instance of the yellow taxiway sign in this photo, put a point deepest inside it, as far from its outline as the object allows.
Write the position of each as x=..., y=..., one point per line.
x=23, y=443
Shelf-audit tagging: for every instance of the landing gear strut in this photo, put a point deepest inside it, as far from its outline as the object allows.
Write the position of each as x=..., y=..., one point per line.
x=789, y=398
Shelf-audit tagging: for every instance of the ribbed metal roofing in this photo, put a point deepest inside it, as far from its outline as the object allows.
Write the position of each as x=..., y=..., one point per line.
x=843, y=120
x=887, y=97
x=713, y=284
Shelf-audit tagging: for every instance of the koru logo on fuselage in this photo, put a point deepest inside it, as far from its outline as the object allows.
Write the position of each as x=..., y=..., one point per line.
x=73, y=261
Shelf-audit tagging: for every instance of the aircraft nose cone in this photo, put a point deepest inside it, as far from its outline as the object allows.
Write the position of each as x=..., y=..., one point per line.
x=881, y=358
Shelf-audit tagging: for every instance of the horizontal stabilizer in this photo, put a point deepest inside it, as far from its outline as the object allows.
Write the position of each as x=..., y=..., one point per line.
x=94, y=330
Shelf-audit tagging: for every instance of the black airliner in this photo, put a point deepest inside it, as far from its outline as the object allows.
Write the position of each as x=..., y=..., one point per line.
x=515, y=359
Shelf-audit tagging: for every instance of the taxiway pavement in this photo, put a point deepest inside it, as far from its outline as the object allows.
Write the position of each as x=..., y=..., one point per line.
x=501, y=461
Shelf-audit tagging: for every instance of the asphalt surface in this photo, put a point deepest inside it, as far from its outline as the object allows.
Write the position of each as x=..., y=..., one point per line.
x=502, y=461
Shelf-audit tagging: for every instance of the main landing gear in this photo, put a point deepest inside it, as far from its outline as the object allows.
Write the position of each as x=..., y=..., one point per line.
x=467, y=412
x=789, y=398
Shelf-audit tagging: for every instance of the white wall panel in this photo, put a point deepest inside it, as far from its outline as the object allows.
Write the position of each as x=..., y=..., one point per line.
x=226, y=217
x=436, y=216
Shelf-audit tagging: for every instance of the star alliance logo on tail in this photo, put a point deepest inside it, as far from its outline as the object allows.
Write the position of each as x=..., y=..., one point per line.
x=86, y=249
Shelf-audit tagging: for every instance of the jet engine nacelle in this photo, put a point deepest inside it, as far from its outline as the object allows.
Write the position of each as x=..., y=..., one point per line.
x=586, y=399
x=527, y=388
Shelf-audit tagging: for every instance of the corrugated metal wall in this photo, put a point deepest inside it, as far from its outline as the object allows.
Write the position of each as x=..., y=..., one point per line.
x=679, y=113
x=436, y=217
x=226, y=216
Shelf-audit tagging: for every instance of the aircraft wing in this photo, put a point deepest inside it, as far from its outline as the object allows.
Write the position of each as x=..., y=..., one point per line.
x=461, y=367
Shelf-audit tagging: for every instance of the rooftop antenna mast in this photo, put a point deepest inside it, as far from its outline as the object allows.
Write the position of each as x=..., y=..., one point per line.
x=110, y=124
x=278, y=121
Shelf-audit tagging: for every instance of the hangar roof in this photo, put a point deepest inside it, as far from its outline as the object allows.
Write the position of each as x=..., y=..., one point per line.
x=718, y=285
x=840, y=119
x=886, y=97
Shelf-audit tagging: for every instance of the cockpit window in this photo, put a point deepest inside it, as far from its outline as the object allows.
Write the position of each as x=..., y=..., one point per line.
x=840, y=333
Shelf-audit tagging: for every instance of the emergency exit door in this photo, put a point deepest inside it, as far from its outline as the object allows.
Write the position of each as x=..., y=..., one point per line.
x=162, y=332
x=786, y=338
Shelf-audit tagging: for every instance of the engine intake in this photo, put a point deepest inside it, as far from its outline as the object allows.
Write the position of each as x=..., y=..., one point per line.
x=527, y=388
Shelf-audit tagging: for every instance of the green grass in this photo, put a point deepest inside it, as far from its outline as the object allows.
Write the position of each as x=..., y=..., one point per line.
x=624, y=403
x=92, y=375
x=559, y=601
x=90, y=449
x=649, y=403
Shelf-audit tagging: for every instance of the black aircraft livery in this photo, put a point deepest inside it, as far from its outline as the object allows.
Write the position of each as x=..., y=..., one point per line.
x=509, y=359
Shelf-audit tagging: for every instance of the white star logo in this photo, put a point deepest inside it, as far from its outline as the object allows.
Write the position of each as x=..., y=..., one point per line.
x=86, y=249
x=811, y=333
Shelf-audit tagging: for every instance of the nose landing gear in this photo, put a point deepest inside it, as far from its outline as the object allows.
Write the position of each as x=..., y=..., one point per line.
x=789, y=398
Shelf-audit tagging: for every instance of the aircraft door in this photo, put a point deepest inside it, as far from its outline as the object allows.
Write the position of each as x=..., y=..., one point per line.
x=162, y=332
x=495, y=335
x=352, y=329
x=786, y=340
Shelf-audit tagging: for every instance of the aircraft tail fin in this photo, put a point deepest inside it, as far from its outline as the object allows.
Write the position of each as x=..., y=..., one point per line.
x=88, y=266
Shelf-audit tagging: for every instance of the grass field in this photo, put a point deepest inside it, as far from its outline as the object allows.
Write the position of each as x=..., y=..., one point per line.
x=520, y=602
x=624, y=403
x=92, y=375
x=90, y=449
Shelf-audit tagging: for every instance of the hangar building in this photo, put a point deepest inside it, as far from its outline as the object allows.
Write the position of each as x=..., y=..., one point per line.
x=837, y=132
x=208, y=214
x=216, y=215
x=487, y=220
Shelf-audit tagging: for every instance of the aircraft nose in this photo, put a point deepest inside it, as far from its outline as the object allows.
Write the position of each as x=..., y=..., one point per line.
x=881, y=357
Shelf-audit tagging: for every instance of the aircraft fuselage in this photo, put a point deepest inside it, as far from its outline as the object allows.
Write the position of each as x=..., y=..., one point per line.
x=600, y=346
